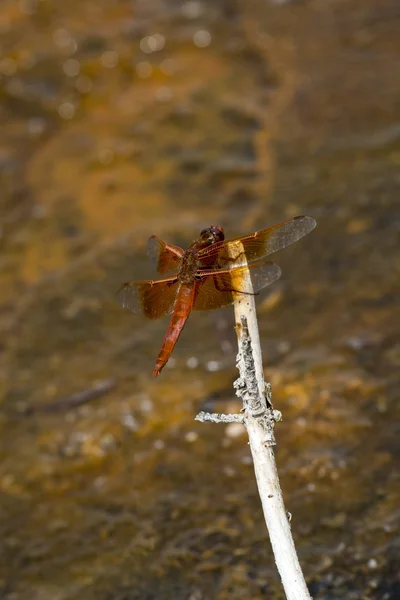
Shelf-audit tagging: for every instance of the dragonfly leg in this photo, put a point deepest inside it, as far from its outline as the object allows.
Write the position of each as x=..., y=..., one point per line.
x=225, y=289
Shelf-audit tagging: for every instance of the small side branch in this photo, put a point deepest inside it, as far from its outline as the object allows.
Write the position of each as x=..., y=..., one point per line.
x=219, y=418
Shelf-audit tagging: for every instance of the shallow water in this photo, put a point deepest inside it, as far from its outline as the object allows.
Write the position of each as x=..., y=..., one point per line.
x=120, y=120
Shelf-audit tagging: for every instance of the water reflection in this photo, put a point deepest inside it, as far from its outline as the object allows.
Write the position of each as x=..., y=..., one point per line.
x=124, y=120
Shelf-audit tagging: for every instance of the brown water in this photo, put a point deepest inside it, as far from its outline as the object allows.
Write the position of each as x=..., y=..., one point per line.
x=124, y=119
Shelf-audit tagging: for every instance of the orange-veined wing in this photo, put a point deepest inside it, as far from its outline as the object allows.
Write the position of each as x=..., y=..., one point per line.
x=165, y=257
x=153, y=298
x=240, y=250
x=214, y=289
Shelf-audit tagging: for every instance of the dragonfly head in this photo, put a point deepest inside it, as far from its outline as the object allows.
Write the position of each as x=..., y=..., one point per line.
x=212, y=234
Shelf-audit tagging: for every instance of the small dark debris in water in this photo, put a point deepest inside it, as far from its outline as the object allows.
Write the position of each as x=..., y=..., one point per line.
x=182, y=116
x=78, y=399
x=360, y=342
x=232, y=166
x=238, y=117
x=209, y=403
x=192, y=163
x=92, y=45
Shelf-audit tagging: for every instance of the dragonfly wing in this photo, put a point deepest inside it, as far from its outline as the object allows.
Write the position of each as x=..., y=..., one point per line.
x=256, y=245
x=215, y=289
x=165, y=257
x=152, y=298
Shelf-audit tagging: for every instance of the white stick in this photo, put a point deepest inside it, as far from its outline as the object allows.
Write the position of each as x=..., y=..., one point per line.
x=259, y=418
x=275, y=515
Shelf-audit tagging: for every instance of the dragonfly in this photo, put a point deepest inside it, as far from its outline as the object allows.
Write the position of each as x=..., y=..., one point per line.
x=210, y=274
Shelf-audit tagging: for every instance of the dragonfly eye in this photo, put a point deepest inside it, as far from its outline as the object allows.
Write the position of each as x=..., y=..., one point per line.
x=218, y=233
x=215, y=233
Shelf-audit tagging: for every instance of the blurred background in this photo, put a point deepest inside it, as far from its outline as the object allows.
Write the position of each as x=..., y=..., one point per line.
x=123, y=119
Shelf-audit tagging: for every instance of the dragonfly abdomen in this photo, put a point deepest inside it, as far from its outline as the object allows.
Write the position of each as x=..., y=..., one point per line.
x=182, y=310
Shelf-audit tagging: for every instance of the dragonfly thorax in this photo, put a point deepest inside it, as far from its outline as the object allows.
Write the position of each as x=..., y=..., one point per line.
x=188, y=267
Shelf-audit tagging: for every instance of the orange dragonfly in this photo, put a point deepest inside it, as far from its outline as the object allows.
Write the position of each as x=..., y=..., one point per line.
x=210, y=274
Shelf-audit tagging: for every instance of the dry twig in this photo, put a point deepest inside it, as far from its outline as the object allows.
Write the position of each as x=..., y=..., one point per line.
x=259, y=418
